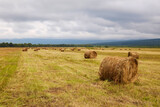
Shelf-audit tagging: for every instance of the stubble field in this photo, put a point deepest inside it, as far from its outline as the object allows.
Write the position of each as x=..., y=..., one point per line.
x=49, y=77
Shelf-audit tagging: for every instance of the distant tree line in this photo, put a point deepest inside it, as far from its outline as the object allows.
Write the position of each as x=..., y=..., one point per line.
x=6, y=44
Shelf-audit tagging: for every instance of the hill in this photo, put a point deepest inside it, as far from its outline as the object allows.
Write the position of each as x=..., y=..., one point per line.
x=134, y=43
x=52, y=41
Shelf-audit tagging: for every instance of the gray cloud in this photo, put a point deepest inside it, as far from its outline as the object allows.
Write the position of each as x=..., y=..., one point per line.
x=95, y=19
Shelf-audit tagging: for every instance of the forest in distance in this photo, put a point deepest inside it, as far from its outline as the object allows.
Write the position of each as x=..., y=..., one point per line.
x=6, y=44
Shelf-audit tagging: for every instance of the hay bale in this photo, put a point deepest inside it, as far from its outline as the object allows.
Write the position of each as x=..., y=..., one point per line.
x=73, y=49
x=90, y=54
x=24, y=49
x=133, y=54
x=36, y=49
x=119, y=70
x=79, y=49
x=62, y=50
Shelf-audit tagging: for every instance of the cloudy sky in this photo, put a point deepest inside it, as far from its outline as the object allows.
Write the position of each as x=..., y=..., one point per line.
x=80, y=19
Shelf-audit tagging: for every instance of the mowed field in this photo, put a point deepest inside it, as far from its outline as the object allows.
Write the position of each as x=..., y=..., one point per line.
x=47, y=78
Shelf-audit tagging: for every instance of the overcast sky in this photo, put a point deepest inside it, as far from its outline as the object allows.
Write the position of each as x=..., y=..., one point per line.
x=80, y=19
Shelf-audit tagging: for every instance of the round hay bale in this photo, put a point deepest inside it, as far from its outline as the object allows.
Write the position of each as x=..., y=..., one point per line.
x=24, y=50
x=62, y=50
x=133, y=54
x=79, y=49
x=90, y=54
x=36, y=49
x=73, y=49
x=119, y=70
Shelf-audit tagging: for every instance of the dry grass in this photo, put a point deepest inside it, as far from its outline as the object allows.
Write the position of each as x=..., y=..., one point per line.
x=8, y=64
x=54, y=78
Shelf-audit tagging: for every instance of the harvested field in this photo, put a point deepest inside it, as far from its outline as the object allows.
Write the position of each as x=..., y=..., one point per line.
x=54, y=78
